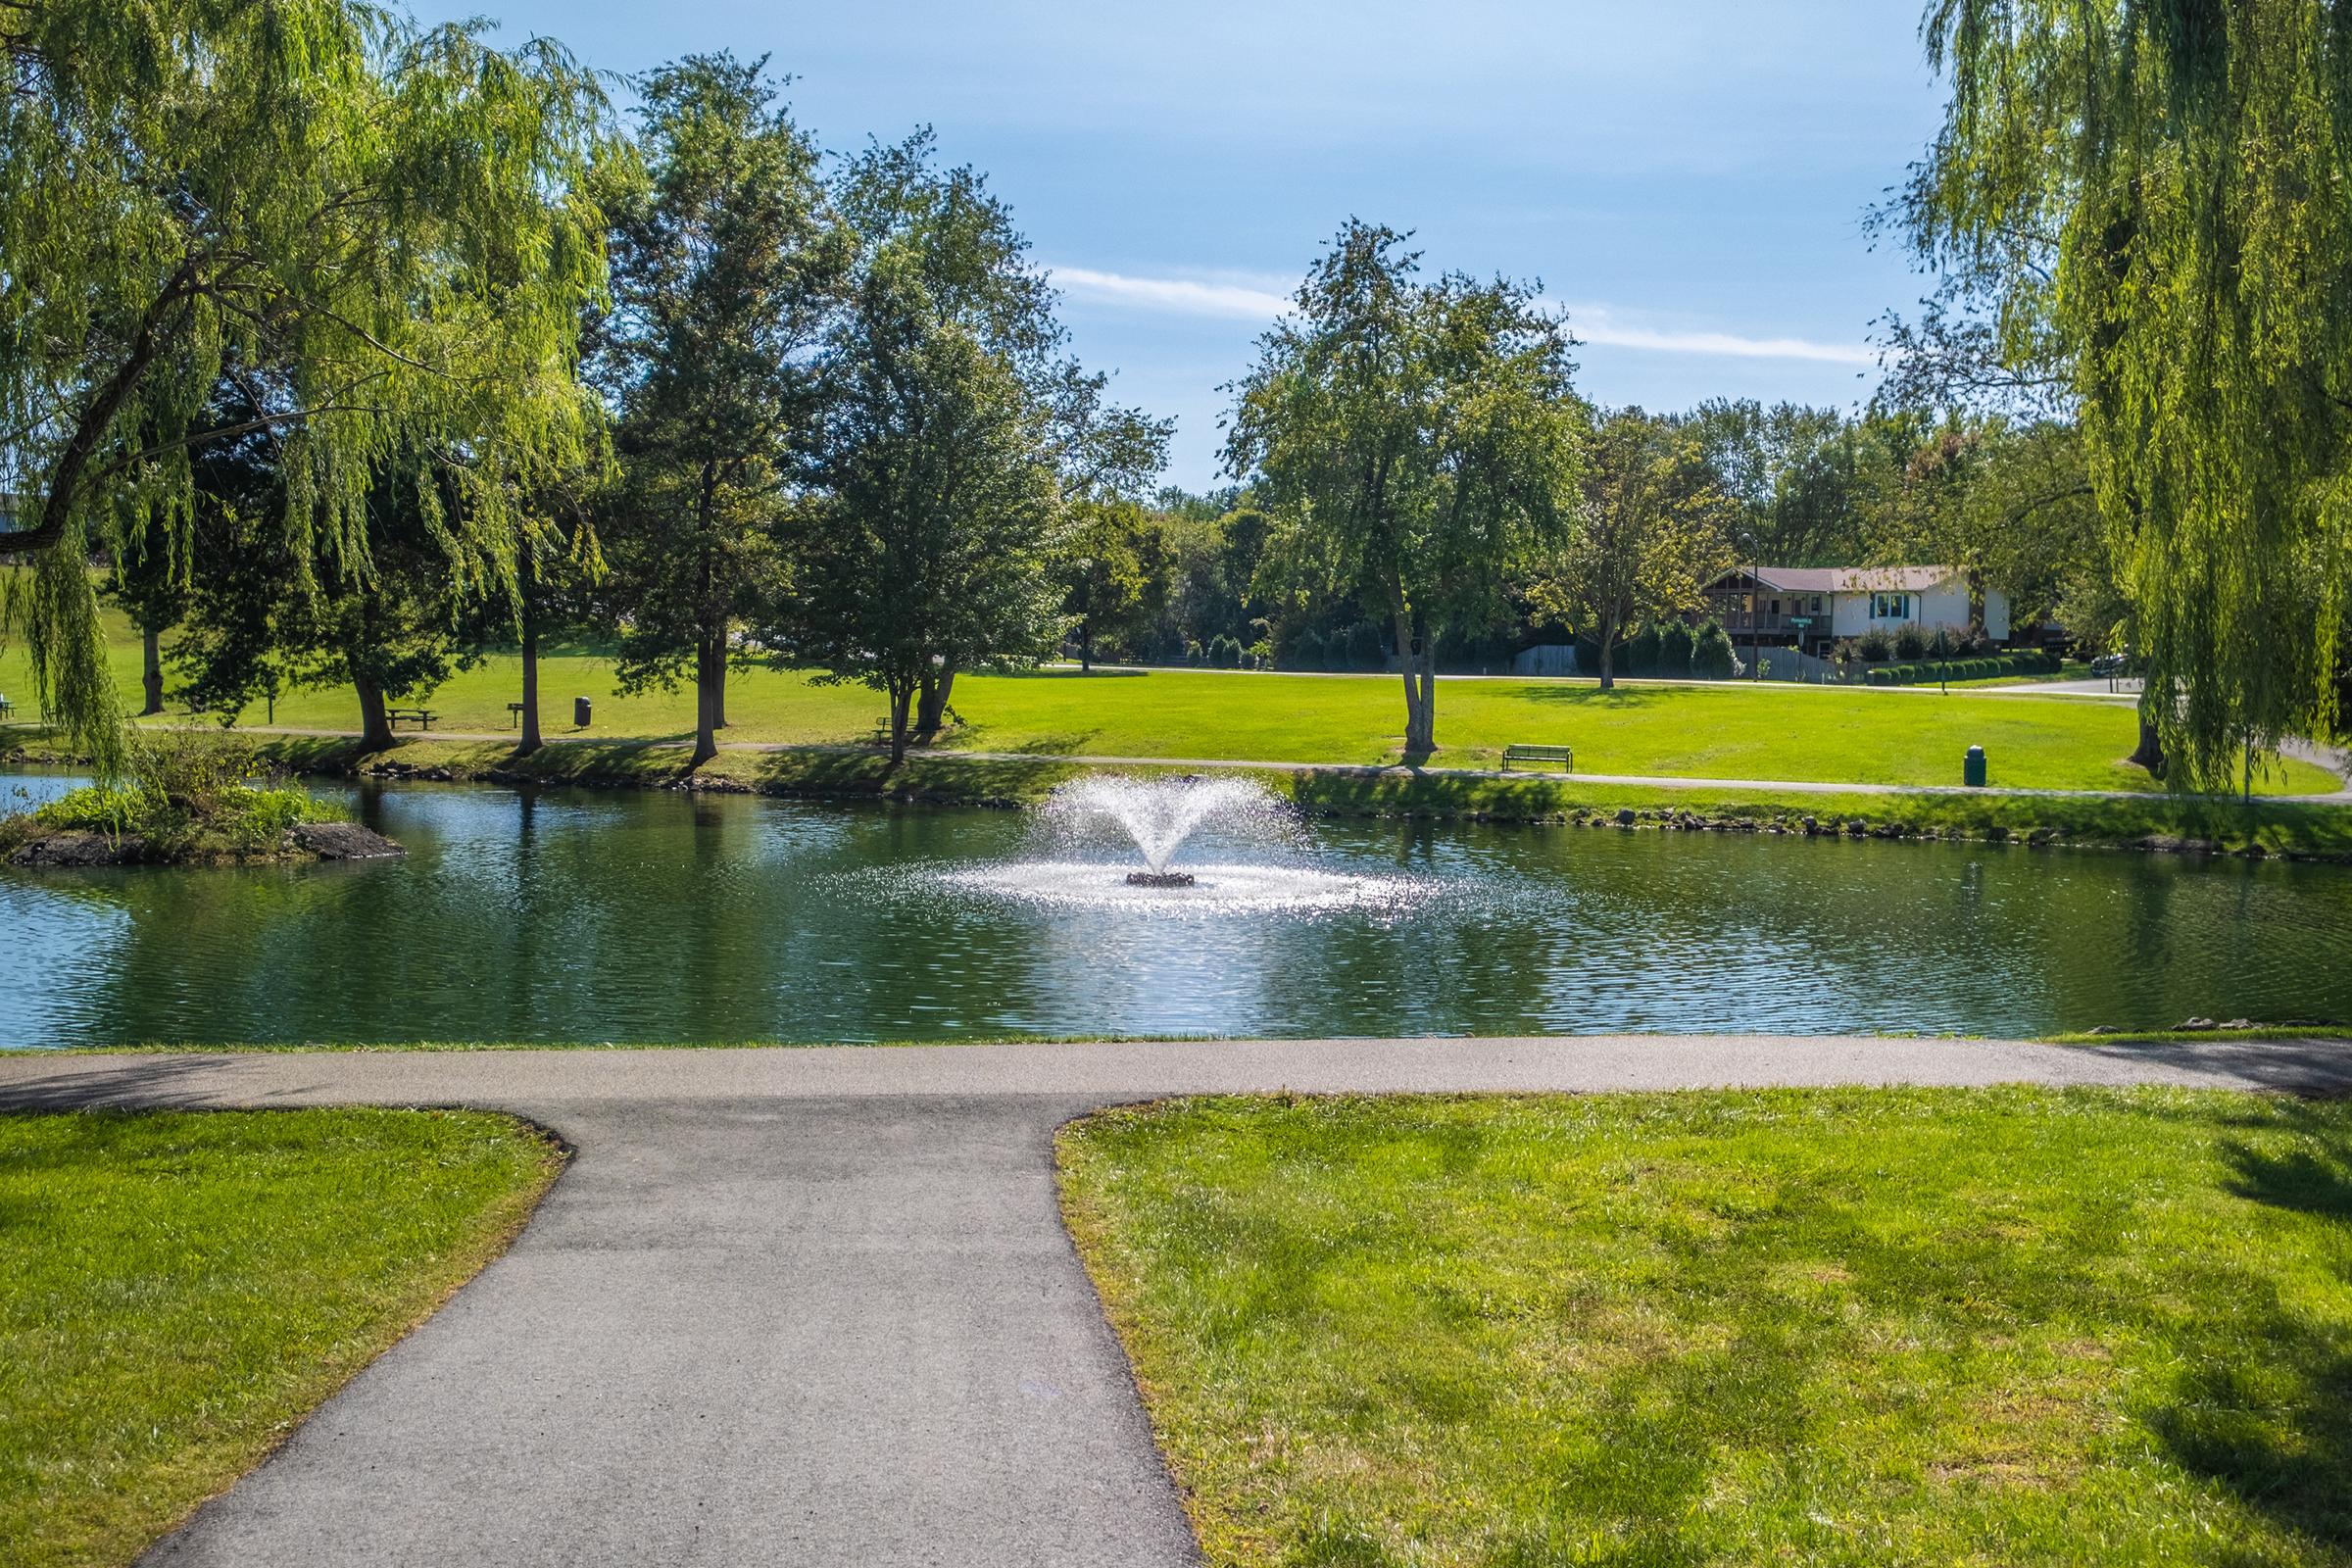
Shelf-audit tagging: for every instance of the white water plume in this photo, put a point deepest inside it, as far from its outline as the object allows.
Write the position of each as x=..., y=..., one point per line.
x=1157, y=815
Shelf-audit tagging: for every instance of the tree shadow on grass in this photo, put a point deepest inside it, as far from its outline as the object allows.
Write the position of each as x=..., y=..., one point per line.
x=977, y=737
x=1593, y=696
x=636, y=756
x=2264, y=1406
x=940, y=776
x=1063, y=674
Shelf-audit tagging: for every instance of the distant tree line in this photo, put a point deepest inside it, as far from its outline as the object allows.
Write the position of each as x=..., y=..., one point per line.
x=354, y=361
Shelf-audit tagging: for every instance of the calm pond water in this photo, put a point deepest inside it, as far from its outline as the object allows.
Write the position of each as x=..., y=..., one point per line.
x=569, y=915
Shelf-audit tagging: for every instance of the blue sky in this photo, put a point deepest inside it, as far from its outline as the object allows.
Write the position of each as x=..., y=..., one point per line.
x=1689, y=179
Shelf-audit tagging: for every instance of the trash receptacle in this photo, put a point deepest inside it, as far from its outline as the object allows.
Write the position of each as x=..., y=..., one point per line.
x=579, y=718
x=1972, y=770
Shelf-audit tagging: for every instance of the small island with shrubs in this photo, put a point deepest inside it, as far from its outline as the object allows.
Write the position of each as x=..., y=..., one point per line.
x=185, y=800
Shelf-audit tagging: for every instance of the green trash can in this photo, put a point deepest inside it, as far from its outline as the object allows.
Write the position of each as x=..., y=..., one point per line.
x=1972, y=770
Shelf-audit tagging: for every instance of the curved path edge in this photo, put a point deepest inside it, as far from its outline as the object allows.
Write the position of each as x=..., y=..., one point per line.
x=817, y=1305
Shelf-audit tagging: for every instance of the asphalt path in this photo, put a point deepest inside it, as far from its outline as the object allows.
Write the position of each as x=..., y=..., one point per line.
x=817, y=1305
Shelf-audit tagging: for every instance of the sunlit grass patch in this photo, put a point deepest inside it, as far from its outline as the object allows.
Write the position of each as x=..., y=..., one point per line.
x=2013, y=1326
x=178, y=1290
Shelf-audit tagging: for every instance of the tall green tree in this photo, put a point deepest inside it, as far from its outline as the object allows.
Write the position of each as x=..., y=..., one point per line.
x=932, y=541
x=1808, y=482
x=1652, y=528
x=727, y=266
x=261, y=619
x=559, y=574
x=1411, y=439
x=950, y=328
x=385, y=220
x=148, y=579
x=2151, y=199
x=1114, y=573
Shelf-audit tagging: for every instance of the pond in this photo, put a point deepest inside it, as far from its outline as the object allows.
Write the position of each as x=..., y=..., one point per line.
x=560, y=916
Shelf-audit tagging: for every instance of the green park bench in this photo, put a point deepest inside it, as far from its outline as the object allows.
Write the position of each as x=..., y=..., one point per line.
x=422, y=718
x=1565, y=755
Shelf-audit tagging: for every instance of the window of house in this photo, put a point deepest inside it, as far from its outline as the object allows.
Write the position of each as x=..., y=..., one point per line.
x=1817, y=604
x=1889, y=607
x=1775, y=607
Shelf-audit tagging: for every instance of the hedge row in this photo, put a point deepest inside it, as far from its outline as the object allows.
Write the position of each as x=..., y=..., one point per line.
x=1983, y=668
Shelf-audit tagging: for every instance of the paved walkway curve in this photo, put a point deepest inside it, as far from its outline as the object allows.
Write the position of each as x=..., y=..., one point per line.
x=816, y=1307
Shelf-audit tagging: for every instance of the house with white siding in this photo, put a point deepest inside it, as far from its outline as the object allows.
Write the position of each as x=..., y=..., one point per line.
x=1815, y=607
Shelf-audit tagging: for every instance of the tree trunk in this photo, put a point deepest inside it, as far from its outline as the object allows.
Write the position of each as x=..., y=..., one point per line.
x=931, y=706
x=530, y=683
x=708, y=672
x=1086, y=649
x=2151, y=753
x=1427, y=740
x=152, y=673
x=375, y=729
x=898, y=696
x=1608, y=655
x=1408, y=665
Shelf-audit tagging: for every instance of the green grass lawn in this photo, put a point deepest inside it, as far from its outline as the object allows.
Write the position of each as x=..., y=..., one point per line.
x=178, y=1290
x=1734, y=730
x=1837, y=1326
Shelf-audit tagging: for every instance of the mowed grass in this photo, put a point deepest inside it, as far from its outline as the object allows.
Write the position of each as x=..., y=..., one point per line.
x=178, y=1290
x=1837, y=1326
x=1731, y=730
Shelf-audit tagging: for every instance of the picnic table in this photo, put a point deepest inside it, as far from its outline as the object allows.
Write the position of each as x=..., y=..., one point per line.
x=422, y=718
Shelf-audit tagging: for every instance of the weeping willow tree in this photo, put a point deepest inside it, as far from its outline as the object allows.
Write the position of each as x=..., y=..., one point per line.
x=373, y=229
x=2157, y=196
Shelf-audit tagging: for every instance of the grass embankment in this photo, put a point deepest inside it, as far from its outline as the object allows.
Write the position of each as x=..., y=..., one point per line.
x=2011, y=1326
x=178, y=1290
x=2275, y=827
x=1736, y=730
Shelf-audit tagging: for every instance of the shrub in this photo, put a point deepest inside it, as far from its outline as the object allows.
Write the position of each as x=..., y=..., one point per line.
x=1711, y=654
x=186, y=795
x=1875, y=646
x=1673, y=650
x=1639, y=655
x=1910, y=643
x=1366, y=648
x=1303, y=650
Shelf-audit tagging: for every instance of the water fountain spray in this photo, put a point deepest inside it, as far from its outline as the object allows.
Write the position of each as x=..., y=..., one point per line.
x=1159, y=814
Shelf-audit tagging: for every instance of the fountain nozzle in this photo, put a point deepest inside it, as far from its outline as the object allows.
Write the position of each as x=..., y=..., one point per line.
x=1159, y=879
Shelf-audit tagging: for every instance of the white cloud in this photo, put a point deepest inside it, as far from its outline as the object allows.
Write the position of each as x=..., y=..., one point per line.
x=1180, y=296
x=1593, y=323
x=1259, y=299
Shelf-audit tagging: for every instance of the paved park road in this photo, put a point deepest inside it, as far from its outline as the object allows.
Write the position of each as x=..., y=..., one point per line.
x=815, y=1307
